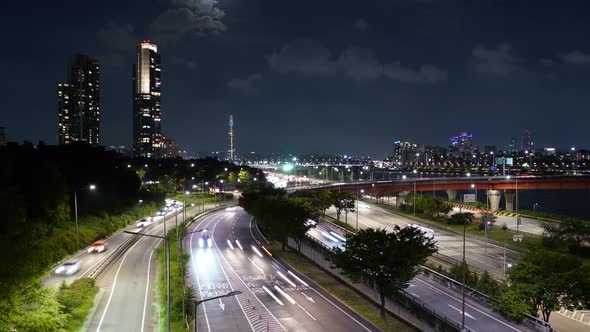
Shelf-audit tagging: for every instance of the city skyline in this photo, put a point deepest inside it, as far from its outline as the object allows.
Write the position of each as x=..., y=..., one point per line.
x=317, y=82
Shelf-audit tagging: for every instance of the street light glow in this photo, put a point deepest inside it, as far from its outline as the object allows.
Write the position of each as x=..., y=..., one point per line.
x=91, y=187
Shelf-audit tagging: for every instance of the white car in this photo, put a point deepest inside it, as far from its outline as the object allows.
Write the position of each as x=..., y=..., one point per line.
x=310, y=223
x=68, y=268
x=144, y=222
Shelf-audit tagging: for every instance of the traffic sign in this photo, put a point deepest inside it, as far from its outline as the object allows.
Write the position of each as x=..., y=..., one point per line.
x=518, y=221
x=517, y=237
x=469, y=198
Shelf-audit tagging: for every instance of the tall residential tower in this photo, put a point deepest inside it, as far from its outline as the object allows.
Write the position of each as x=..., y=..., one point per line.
x=79, y=103
x=147, y=135
x=231, y=151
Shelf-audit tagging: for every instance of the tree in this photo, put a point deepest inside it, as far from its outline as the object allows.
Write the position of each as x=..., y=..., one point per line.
x=232, y=177
x=461, y=218
x=244, y=177
x=343, y=201
x=514, y=305
x=386, y=259
x=549, y=280
x=570, y=233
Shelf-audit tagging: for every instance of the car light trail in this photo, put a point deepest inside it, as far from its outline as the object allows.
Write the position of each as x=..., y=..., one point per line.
x=257, y=251
x=287, y=296
x=286, y=279
x=230, y=245
x=330, y=237
x=272, y=295
x=239, y=245
x=298, y=279
x=338, y=236
x=266, y=251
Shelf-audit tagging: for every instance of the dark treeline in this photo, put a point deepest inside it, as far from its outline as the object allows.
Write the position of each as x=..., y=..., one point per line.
x=37, y=202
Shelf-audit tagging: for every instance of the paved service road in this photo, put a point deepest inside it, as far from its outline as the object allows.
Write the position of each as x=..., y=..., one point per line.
x=449, y=244
x=274, y=297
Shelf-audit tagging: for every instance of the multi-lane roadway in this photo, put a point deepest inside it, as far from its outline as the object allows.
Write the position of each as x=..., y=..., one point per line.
x=274, y=297
x=483, y=257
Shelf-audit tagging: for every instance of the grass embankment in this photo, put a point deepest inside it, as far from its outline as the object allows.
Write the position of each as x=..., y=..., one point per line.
x=77, y=300
x=194, y=197
x=494, y=233
x=340, y=291
x=348, y=227
x=180, y=295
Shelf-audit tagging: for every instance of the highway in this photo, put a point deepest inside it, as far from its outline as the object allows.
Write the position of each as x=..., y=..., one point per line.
x=449, y=244
x=442, y=300
x=127, y=297
x=274, y=297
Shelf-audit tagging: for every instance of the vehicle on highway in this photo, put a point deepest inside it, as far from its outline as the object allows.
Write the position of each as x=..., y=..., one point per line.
x=428, y=233
x=68, y=268
x=144, y=222
x=161, y=213
x=205, y=240
x=98, y=246
x=310, y=223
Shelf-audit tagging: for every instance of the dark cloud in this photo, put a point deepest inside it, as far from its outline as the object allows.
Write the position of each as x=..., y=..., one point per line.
x=246, y=85
x=176, y=23
x=497, y=61
x=117, y=36
x=575, y=58
x=202, y=7
x=310, y=57
x=182, y=61
x=360, y=24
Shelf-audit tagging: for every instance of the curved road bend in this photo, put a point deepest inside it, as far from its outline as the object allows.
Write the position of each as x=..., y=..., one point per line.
x=274, y=297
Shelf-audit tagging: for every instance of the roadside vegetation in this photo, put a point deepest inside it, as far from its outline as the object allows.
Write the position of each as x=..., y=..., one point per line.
x=181, y=296
x=77, y=300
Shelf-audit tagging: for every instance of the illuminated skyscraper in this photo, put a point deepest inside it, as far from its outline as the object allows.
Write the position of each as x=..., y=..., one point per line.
x=79, y=103
x=147, y=136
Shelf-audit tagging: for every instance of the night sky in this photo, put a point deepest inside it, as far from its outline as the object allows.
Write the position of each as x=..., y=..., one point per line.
x=342, y=76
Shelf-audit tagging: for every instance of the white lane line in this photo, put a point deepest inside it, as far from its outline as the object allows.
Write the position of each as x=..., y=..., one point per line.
x=239, y=245
x=106, y=308
x=286, y=279
x=257, y=252
x=460, y=311
x=258, y=267
x=472, y=307
x=327, y=300
x=285, y=295
x=147, y=285
x=298, y=279
x=302, y=308
x=254, y=295
x=272, y=295
x=230, y=245
x=216, y=253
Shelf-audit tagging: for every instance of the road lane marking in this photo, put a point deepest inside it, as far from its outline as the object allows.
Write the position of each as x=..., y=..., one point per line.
x=246, y=286
x=472, y=307
x=106, y=308
x=257, y=252
x=286, y=279
x=147, y=286
x=461, y=311
x=298, y=279
x=285, y=295
x=302, y=308
x=230, y=245
x=259, y=269
x=272, y=295
x=239, y=245
x=309, y=298
x=198, y=282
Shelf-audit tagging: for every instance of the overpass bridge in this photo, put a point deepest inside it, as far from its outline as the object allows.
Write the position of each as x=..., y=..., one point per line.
x=494, y=186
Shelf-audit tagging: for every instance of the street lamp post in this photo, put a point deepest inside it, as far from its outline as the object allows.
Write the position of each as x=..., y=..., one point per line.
x=357, y=208
x=90, y=187
x=232, y=293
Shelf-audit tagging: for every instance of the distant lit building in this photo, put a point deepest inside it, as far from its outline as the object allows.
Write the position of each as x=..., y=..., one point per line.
x=489, y=149
x=147, y=136
x=527, y=141
x=79, y=103
x=512, y=147
x=405, y=153
x=461, y=145
x=169, y=148
x=550, y=151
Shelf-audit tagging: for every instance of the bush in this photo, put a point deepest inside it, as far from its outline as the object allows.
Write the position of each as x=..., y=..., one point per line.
x=461, y=218
x=514, y=305
x=77, y=300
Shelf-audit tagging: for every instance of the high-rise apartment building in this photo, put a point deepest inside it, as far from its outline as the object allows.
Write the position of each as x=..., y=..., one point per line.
x=405, y=153
x=147, y=135
x=527, y=141
x=79, y=103
x=461, y=145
